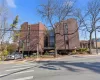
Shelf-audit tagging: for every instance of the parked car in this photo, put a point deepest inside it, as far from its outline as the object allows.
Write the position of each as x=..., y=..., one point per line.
x=51, y=53
x=14, y=56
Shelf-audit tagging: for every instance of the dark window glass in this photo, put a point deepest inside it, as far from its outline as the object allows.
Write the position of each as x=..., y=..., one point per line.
x=51, y=38
x=51, y=44
x=46, y=42
x=51, y=33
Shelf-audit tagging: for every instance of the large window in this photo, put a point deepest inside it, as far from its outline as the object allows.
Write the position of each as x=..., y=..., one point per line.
x=51, y=38
x=46, y=42
x=51, y=44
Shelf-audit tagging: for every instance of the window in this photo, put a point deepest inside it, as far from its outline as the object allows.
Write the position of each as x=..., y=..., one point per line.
x=52, y=44
x=51, y=33
x=51, y=38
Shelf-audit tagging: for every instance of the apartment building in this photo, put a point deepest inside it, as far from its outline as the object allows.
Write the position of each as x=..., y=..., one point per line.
x=37, y=36
x=32, y=37
x=67, y=36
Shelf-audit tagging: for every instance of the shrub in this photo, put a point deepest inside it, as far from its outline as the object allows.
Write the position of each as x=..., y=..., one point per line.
x=46, y=53
x=25, y=56
x=80, y=51
x=5, y=52
x=34, y=54
x=74, y=52
x=31, y=56
x=83, y=50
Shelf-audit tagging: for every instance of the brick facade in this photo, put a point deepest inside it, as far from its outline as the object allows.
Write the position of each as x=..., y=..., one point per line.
x=32, y=35
x=67, y=36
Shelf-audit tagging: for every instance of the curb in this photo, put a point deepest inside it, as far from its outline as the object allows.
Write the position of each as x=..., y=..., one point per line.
x=11, y=62
x=49, y=59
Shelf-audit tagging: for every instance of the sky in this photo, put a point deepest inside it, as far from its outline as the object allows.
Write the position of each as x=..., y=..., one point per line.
x=27, y=10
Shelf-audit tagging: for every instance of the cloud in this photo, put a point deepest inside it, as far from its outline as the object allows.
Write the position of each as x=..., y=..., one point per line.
x=11, y=3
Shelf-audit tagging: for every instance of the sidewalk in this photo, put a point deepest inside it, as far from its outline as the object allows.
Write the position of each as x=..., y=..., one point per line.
x=12, y=61
x=44, y=59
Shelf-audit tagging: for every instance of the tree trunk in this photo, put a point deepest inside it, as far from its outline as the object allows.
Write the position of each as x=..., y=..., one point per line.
x=55, y=54
x=90, y=43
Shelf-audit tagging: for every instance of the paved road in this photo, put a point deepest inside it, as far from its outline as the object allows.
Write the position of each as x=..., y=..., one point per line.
x=68, y=68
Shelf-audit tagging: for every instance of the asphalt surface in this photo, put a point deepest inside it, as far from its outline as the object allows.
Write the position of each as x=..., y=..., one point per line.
x=67, y=68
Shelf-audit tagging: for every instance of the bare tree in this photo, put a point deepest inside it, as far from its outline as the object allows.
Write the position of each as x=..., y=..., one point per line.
x=89, y=19
x=56, y=11
x=4, y=24
x=4, y=12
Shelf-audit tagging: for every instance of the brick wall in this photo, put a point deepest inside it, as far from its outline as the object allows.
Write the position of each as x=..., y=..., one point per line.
x=67, y=41
x=32, y=35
